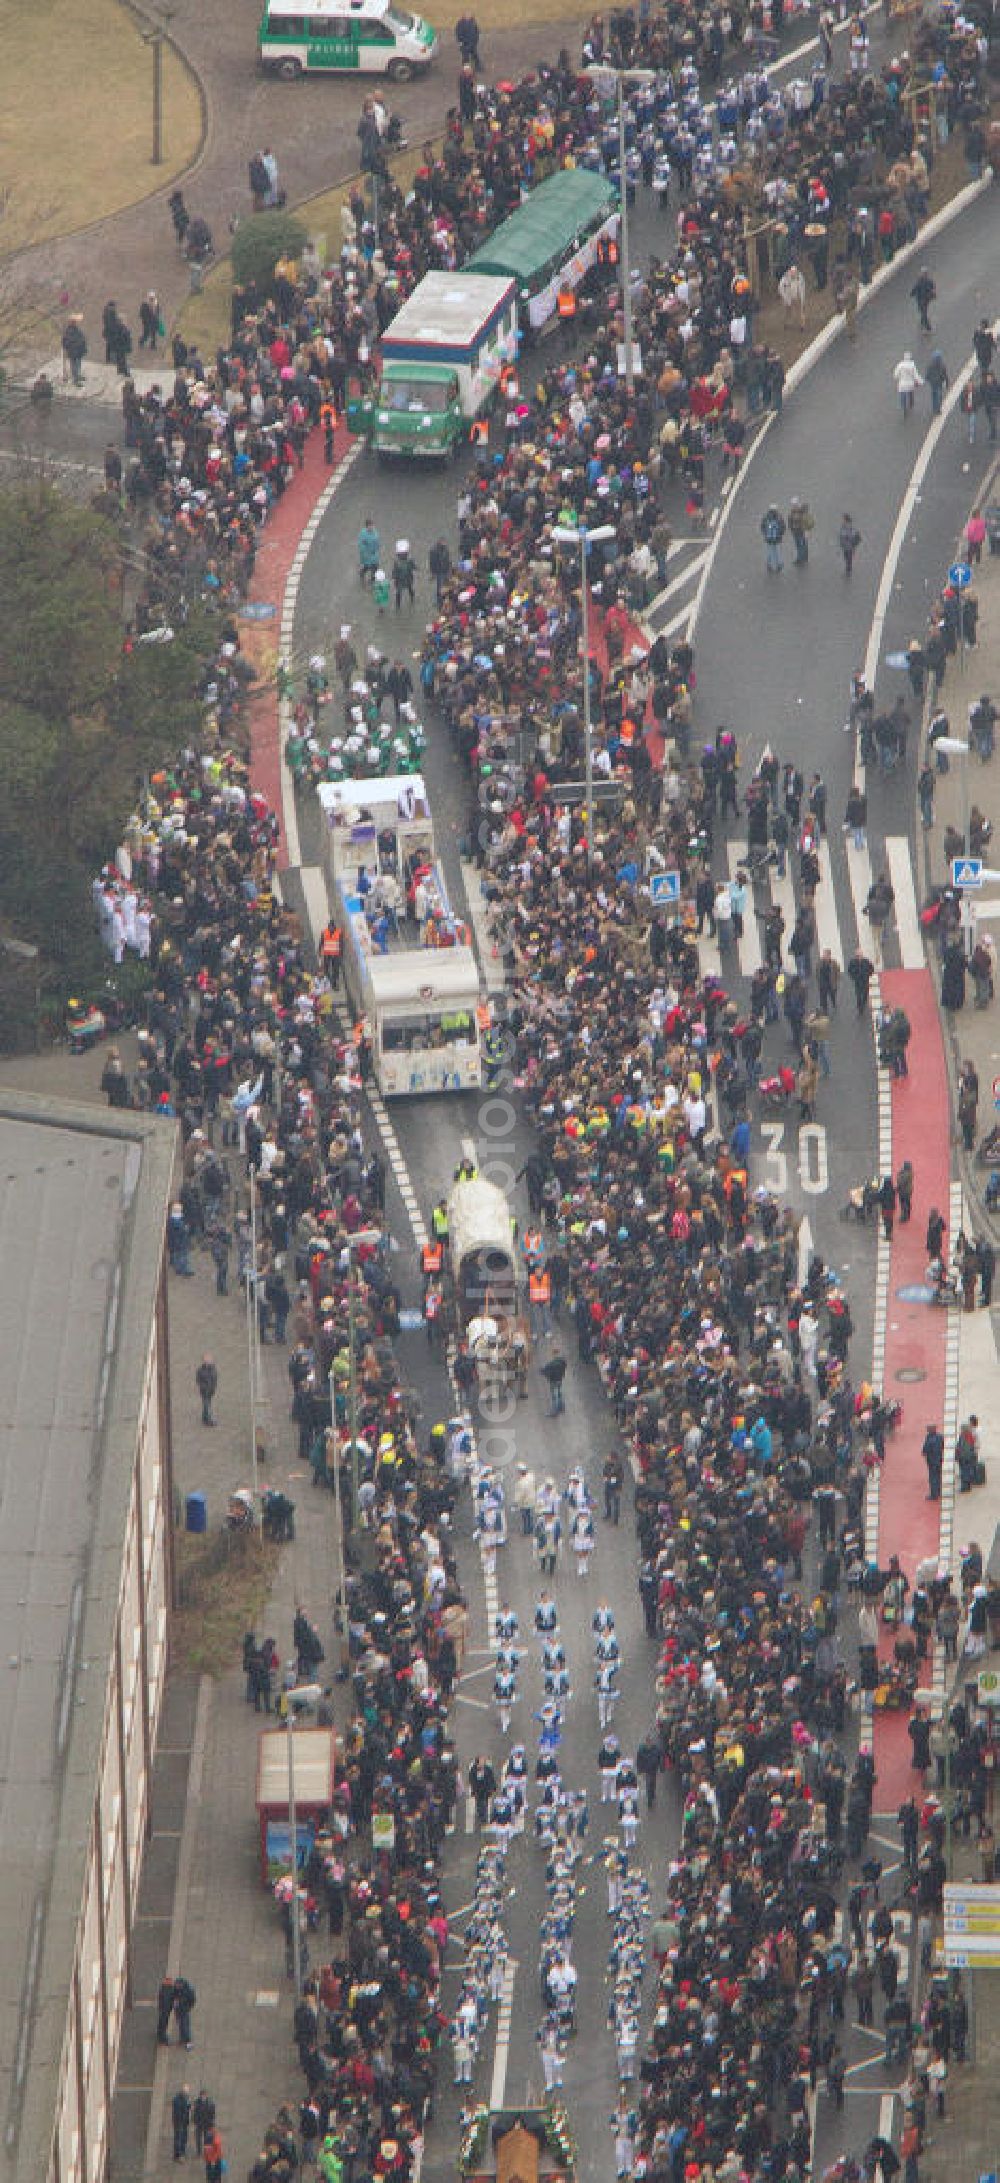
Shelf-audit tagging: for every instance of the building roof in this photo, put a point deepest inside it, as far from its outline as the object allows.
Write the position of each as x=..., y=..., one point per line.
x=547, y=225
x=83, y=1198
x=447, y=309
x=424, y=977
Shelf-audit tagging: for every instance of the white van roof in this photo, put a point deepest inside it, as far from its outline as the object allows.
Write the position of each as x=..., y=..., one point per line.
x=342, y=802
x=277, y=8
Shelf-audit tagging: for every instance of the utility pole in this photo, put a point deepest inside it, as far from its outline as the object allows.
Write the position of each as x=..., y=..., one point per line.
x=625, y=256
x=293, y=1832
x=584, y=539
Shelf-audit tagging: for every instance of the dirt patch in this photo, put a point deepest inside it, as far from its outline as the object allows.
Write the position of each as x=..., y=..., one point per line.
x=224, y=1582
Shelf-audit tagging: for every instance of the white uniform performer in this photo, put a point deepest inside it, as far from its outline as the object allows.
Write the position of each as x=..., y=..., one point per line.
x=581, y=1539
x=608, y=1693
x=505, y=1686
x=625, y=2124
x=552, y=2056
x=628, y=1816
x=608, y=1762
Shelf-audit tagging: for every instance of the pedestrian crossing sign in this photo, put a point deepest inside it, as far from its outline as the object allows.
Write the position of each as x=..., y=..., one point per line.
x=966, y=871
x=665, y=887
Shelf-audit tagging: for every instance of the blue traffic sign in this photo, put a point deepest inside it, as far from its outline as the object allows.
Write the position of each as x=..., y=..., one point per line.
x=960, y=574
x=966, y=871
x=665, y=887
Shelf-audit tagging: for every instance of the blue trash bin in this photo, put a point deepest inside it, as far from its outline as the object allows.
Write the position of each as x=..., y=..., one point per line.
x=197, y=1512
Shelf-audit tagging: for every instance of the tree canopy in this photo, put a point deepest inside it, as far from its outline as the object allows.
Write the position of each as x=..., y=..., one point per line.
x=259, y=243
x=82, y=720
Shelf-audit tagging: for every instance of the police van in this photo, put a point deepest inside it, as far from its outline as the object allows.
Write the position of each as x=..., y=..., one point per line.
x=356, y=37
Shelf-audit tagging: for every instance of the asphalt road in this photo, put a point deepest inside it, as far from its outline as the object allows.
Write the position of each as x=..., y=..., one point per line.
x=775, y=656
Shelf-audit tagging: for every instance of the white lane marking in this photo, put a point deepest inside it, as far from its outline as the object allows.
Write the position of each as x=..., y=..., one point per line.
x=726, y=511
x=827, y=921
x=911, y=946
x=317, y=900
x=670, y=628
x=817, y=348
x=931, y=437
x=783, y=897
x=678, y=583
x=885, y=2114
x=286, y=639
x=504, y=2021
x=859, y=872
x=709, y=957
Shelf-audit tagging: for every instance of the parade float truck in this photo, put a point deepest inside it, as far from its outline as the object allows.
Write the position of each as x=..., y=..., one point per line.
x=441, y=361
x=517, y=2145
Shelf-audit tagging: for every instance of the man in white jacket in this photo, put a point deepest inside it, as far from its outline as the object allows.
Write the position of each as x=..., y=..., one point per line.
x=907, y=379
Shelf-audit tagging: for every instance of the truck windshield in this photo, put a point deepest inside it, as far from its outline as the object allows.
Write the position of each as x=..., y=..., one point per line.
x=399, y=19
x=407, y=1034
x=421, y=397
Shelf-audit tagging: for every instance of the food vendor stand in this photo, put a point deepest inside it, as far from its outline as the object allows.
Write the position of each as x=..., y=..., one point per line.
x=313, y=1762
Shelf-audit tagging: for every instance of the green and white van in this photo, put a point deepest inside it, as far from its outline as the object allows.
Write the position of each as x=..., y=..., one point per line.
x=359, y=37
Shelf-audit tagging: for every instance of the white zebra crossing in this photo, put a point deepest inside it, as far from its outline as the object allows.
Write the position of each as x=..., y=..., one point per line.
x=902, y=1934
x=827, y=921
x=830, y=933
x=911, y=946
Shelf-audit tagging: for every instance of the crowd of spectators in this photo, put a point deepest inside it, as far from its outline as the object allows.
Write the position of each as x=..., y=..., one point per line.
x=726, y=1363
x=834, y=172
x=230, y=996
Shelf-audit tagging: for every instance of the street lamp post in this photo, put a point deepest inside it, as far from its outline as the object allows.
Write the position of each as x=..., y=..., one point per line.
x=253, y=1335
x=253, y=1353
x=626, y=261
x=338, y=1518
x=956, y=747
x=357, y=1241
x=584, y=539
x=624, y=77
x=154, y=38
x=293, y=1833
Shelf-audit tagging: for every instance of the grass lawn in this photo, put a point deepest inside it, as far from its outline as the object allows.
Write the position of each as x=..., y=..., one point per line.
x=79, y=69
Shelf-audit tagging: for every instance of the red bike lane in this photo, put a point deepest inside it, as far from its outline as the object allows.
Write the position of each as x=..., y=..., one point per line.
x=277, y=546
x=916, y=1338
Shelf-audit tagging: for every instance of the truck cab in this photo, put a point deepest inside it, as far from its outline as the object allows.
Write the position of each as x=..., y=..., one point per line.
x=415, y=410
x=442, y=361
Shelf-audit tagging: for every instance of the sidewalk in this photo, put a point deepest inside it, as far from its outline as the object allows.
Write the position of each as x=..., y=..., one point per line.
x=202, y=1908
x=952, y=1357
x=973, y=1035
